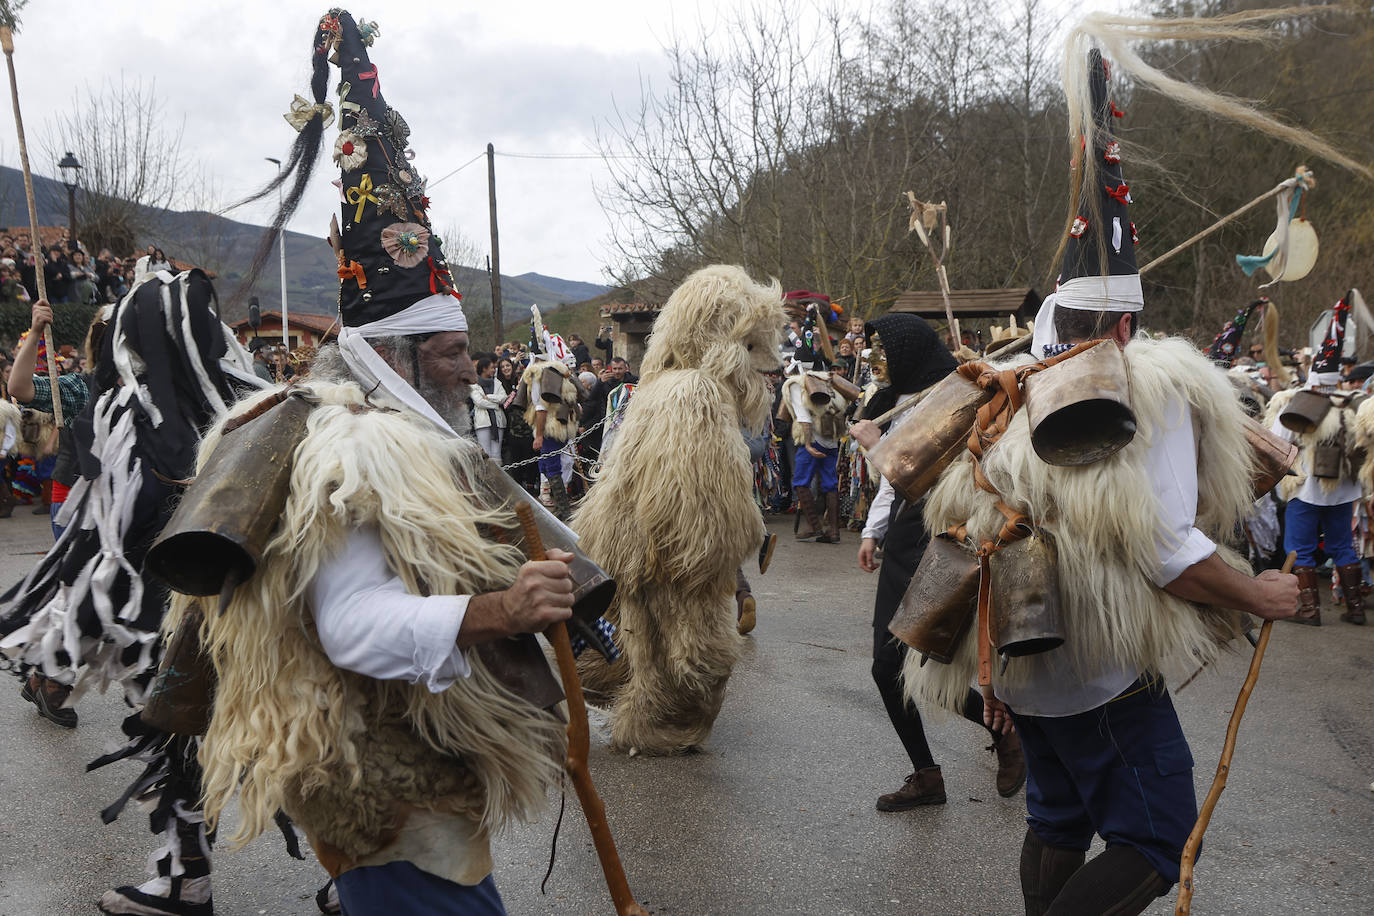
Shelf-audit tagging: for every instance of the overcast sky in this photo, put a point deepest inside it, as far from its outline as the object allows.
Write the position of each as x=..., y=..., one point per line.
x=531, y=76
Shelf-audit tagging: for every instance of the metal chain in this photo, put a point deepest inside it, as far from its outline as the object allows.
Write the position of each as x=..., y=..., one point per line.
x=566, y=449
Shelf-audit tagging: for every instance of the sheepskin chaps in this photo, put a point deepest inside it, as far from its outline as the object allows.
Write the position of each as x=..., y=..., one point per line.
x=1102, y=519
x=346, y=755
x=672, y=514
x=1340, y=427
x=560, y=421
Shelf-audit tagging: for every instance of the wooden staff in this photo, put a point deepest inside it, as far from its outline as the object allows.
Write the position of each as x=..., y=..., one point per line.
x=579, y=744
x=1209, y=804
x=7, y=45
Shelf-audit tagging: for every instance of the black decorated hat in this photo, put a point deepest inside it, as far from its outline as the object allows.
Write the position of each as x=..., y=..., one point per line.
x=1226, y=345
x=1326, y=365
x=388, y=257
x=1099, y=268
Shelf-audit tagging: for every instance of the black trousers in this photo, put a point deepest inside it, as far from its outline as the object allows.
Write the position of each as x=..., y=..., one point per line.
x=903, y=547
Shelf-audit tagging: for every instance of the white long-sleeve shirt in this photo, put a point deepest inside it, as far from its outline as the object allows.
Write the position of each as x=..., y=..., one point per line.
x=801, y=412
x=369, y=624
x=1347, y=490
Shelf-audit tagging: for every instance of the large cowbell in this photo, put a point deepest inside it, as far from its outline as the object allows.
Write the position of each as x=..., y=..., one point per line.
x=940, y=603
x=1080, y=408
x=913, y=455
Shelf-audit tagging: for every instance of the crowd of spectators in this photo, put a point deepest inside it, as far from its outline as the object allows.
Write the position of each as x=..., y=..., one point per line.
x=71, y=274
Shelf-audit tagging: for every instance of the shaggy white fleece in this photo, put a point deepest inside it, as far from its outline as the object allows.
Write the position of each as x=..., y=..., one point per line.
x=1340, y=426
x=342, y=754
x=554, y=428
x=1102, y=519
x=672, y=514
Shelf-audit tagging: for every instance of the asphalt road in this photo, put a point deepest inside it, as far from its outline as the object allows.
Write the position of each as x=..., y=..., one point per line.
x=776, y=815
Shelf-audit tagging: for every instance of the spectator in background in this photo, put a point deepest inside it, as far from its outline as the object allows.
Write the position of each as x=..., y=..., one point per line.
x=579, y=349
x=488, y=408
x=260, y=366
x=55, y=275
x=845, y=359
x=83, y=278
x=158, y=261
x=518, y=447
x=604, y=342
x=282, y=368
x=597, y=366
x=856, y=330
x=617, y=373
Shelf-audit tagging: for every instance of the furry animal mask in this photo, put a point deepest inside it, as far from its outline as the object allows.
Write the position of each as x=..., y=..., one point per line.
x=721, y=321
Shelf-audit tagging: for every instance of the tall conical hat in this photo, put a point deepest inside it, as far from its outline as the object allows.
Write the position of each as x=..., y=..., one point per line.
x=1227, y=343
x=1326, y=364
x=388, y=258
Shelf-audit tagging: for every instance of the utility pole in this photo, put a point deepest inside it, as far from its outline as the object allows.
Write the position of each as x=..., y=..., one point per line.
x=495, y=265
x=281, y=247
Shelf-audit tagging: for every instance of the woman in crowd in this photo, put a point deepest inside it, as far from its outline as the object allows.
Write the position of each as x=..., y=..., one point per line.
x=518, y=446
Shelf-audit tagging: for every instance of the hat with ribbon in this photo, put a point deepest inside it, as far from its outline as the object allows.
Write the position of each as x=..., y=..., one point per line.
x=1098, y=272
x=1338, y=342
x=1226, y=345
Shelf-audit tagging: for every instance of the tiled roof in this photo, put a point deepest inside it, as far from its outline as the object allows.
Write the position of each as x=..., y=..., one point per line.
x=984, y=303
x=630, y=308
x=319, y=324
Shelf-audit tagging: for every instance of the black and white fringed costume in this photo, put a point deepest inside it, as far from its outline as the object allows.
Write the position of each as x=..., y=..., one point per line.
x=86, y=616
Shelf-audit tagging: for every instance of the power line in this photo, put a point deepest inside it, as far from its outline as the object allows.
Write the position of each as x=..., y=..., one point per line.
x=459, y=169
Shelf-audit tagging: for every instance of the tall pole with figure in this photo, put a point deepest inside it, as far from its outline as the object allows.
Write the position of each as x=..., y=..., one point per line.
x=8, y=22
x=281, y=247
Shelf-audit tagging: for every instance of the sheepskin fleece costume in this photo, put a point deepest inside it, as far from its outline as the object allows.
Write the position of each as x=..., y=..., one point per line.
x=672, y=516
x=9, y=423
x=561, y=421
x=347, y=756
x=1102, y=520
x=1340, y=426
x=827, y=421
x=1364, y=437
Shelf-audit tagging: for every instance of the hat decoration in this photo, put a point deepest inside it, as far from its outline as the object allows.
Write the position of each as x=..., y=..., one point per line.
x=389, y=258
x=1226, y=344
x=1326, y=365
x=1098, y=271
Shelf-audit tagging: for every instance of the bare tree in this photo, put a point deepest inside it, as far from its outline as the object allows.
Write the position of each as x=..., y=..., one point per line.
x=132, y=162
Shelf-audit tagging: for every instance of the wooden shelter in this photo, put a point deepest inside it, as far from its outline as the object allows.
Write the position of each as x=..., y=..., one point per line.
x=972, y=303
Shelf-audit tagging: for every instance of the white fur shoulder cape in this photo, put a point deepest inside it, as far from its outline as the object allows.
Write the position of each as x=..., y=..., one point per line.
x=1102, y=519
x=1340, y=425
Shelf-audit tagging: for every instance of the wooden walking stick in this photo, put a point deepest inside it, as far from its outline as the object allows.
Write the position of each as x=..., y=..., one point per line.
x=1209, y=804
x=7, y=23
x=579, y=744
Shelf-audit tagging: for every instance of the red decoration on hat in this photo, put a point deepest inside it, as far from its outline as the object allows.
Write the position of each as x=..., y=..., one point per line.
x=353, y=270
x=1135, y=239
x=1080, y=226
x=1121, y=193
x=1112, y=153
x=1116, y=112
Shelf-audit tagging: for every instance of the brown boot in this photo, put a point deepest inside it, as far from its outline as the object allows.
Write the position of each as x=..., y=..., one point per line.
x=770, y=543
x=746, y=612
x=7, y=500
x=49, y=696
x=806, y=506
x=1309, y=598
x=832, y=514
x=1352, y=580
x=1011, y=764
x=924, y=787
x=558, y=494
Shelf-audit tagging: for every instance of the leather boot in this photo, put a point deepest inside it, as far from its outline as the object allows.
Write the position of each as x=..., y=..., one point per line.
x=770, y=543
x=1011, y=764
x=806, y=505
x=924, y=787
x=1352, y=580
x=746, y=612
x=558, y=494
x=832, y=514
x=49, y=696
x=7, y=500
x=1309, y=598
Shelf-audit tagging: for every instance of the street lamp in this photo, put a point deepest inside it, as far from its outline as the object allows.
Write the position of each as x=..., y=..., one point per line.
x=281, y=246
x=71, y=174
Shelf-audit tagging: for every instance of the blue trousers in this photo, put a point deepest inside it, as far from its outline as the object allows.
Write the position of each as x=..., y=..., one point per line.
x=553, y=461
x=807, y=466
x=401, y=889
x=1122, y=771
x=1303, y=521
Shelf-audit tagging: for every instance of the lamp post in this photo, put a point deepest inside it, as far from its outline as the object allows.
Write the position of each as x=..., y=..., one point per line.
x=281, y=246
x=71, y=175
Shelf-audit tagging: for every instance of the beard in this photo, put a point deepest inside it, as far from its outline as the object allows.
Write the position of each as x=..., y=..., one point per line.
x=448, y=403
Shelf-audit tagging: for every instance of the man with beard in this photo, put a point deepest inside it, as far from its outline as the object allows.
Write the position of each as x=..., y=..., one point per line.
x=351, y=692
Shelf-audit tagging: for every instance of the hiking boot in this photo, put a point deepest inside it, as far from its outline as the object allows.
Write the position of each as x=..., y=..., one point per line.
x=745, y=616
x=1309, y=599
x=770, y=543
x=162, y=896
x=1011, y=764
x=832, y=513
x=924, y=787
x=1352, y=585
x=48, y=695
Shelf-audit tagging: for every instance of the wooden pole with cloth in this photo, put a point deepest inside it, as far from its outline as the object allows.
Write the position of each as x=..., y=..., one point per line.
x=7, y=26
x=579, y=743
x=1209, y=804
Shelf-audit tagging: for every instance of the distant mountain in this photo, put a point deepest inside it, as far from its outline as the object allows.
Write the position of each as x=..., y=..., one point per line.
x=226, y=247
x=564, y=291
